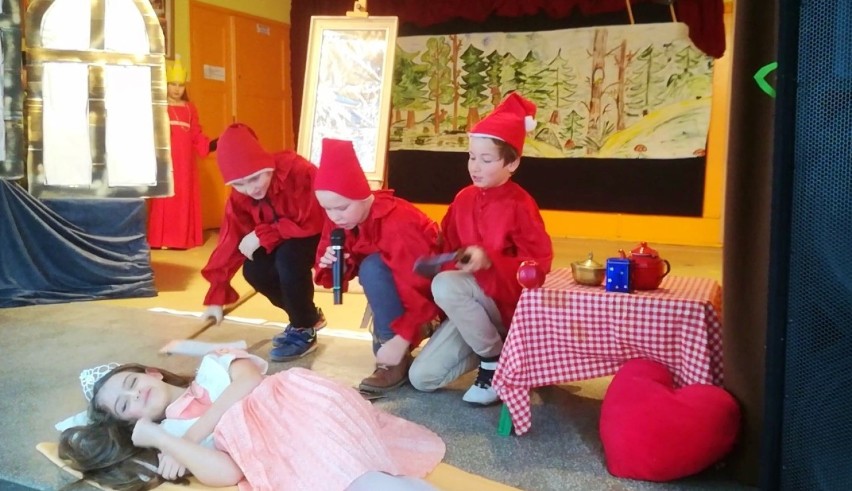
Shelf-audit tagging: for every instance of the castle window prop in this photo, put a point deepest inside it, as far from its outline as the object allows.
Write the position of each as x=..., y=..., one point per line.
x=97, y=119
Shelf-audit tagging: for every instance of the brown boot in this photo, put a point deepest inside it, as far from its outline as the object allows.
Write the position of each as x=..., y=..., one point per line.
x=385, y=378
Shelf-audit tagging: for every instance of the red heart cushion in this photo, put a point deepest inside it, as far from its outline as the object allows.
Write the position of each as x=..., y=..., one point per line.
x=654, y=432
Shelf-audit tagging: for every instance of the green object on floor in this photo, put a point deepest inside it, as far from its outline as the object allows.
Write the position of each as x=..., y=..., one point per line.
x=504, y=427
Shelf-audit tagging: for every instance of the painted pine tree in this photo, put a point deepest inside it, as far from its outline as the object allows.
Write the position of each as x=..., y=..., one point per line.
x=689, y=79
x=646, y=83
x=509, y=77
x=493, y=73
x=560, y=77
x=473, y=83
x=409, y=88
x=437, y=59
x=568, y=131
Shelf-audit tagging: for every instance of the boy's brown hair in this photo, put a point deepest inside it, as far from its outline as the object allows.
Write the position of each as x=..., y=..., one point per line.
x=507, y=152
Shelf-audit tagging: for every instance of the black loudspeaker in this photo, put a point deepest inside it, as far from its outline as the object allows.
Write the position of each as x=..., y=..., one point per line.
x=808, y=406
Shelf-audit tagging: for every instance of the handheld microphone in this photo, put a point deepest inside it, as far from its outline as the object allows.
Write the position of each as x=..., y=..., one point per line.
x=338, y=237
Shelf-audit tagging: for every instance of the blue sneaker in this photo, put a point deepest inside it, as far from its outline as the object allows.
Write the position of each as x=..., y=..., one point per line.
x=279, y=339
x=296, y=343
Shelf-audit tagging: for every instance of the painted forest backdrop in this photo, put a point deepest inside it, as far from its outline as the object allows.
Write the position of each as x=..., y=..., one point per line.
x=634, y=91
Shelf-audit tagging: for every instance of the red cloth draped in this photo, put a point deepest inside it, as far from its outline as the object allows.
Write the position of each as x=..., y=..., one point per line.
x=704, y=18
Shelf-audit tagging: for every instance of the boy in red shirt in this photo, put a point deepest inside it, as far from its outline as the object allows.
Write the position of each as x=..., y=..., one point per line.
x=497, y=225
x=271, y=228
x=384, y=235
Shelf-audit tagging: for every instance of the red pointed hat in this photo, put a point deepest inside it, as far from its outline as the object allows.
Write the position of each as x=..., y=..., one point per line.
x=240, y=155
x=510, y=121
x=340, y=172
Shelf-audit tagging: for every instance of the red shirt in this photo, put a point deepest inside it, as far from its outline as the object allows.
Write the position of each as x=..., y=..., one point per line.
x=288, y=210
x=504, y=221
x=400, y=233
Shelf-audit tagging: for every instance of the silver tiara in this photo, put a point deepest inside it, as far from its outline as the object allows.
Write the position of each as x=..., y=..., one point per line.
x=90, y=376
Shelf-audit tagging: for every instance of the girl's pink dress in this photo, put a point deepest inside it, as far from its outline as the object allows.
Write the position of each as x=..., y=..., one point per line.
x=301, y=431
x=175, y=222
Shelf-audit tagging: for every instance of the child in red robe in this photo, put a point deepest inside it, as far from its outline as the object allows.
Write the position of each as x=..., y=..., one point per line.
x=271, y=228
x=384, y=235
x=497, y=225
x=175, y=222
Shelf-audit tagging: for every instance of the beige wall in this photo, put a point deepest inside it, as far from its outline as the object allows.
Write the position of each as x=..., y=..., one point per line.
x=277, y=10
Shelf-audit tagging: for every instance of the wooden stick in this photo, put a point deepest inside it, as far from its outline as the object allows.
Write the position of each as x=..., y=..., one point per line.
x=672, y=10
x=629, y=11
x=227, y=310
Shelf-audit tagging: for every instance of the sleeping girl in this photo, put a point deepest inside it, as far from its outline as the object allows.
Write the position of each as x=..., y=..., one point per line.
x=231, y=424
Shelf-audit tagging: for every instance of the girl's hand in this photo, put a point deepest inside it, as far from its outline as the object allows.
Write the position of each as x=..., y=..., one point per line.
x=329, y=258
x=170, y=468
x=249, y=244
x=478, y=260
x=147, y=434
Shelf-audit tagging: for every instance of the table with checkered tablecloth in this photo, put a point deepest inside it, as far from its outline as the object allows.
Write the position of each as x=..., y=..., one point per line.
x=565, y=331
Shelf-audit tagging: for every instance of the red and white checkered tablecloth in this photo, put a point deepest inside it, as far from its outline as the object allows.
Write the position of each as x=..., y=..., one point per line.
x=565, y=331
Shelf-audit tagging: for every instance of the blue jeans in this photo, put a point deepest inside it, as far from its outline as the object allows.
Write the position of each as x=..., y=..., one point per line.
x=376, y=278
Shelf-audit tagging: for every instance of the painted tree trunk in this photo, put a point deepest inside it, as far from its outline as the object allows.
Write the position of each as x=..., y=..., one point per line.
x=455, y=44
x=436, y=117
x=595, y=109
x=495, y=96
x=472, y=117
x=622, y=60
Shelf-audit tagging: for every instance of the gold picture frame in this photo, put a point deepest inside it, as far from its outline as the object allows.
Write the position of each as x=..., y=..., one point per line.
x=347, y=93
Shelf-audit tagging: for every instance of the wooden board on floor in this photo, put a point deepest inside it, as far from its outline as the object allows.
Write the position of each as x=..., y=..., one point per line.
x=444, y=477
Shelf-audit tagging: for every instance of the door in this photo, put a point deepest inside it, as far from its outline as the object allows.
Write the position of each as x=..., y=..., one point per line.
x=210, y=87
x=240, y=73
x=261, y=93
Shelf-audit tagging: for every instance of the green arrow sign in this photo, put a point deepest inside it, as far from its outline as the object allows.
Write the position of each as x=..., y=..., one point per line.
x=760, y=78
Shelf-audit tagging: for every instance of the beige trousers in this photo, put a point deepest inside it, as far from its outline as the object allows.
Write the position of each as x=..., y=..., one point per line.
x=473, y=329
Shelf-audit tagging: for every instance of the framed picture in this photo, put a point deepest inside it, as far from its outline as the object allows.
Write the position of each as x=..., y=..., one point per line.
x=347, y=92
x=165, y=11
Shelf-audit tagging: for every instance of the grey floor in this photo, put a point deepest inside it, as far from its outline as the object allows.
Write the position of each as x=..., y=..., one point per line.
x=45, y=347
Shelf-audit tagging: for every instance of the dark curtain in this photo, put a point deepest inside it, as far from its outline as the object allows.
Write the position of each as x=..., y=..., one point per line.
x=68, y=250
x=747, y=228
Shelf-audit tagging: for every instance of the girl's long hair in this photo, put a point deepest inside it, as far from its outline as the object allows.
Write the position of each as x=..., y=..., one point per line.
x=103, y=450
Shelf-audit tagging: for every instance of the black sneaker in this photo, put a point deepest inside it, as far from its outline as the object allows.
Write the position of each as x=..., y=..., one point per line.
x=481, y=392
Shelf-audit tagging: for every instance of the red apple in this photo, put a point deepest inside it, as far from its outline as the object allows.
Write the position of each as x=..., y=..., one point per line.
x=530, y=274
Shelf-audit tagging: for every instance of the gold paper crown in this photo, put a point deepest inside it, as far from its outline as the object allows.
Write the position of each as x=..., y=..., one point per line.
x=175, y=72
x=90, y=376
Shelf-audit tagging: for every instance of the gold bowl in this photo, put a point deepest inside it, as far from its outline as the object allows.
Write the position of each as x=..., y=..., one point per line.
x=588, y=272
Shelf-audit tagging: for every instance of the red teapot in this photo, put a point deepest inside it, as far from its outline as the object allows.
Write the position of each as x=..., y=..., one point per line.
x=648, y=268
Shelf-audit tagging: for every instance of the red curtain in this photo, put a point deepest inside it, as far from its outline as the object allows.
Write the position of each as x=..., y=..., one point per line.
x=704, y=18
